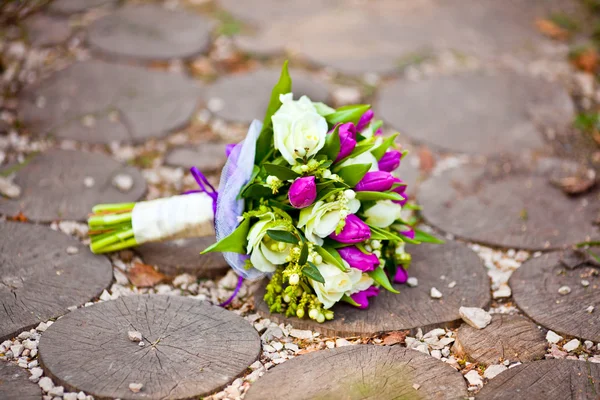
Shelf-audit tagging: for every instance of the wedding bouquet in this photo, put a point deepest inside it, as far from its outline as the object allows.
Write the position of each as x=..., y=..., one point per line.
x=307, y=198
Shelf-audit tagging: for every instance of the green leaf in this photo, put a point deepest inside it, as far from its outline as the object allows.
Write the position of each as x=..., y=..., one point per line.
x=380, y=277
x=374, y=196
x=387, y=235
x=328, y=191
x=264, y=143
x=358, y=150
x=331, y=256
x=282, y=236
x=323, y=109
x=425, y=237
x=352, y=174
x=376, y=125
x=383, y=147
x=257, y=191
x=313, y=273
x=412, y=206
x=594, y=255
x=255, y=172
x=347, y=299
x=280, y=205
x=345, y=114
x=283, y=173
x=235, y=242
x=303, y=254
x=331, y=149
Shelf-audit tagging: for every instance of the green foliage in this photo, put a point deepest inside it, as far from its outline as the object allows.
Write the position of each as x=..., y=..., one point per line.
x=380, y=277
x=312, y=272
x=345, y=114
x=587, y=122
x=234, y=243
x=352, y=174
x=565, y=21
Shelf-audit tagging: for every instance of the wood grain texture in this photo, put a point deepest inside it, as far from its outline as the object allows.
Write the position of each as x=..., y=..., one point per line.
x=412, y=308
x=192, y=348
x=535, y=290
x=517, y=209
x=183, y=256
x=544, y=380
x=39, y=280
x=508, y=337
x=53, y=188
x=360, y=372
x=15, y=383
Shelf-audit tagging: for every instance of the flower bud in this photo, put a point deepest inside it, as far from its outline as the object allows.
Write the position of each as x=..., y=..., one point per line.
x=362, y=297
x=400, y=190
x=375, y=181
x=355, y=231
x=401, y=275
x=229, y=149
x=303, y=192
x=300, y=313
x=313, y=313
x=320, y=318
x=294, y=279
x=390, y=160
x=347, y=134
x=364, y=120
x=328, y=315
x=408, y=232
x=359, y=260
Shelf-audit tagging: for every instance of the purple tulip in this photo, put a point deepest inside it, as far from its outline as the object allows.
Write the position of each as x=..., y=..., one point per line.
x=355, y=231
x=400, y=190
x=364, y=120
x=303, y=192
x=401, y=275
x=375, y=181
x=362, y=297
x=359, y=260
x=408, y=232
x=229, y=148
x=390, y=160
x=378, y=132
x=347, y=134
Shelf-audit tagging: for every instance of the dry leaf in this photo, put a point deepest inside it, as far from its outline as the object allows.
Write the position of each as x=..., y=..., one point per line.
x=395, y=337
x=587, y=60
x=551, y=30
x=20, y=217
x=426, y=160
x=576, y=184
x=143, y=275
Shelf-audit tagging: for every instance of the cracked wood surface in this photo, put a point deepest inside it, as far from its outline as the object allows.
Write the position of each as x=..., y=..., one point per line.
x=192, y=348
x=182, y=256
x=15, y=383
x=361, y=372
x=535, y=290
x=508, y=337
x=39, y=280
x=52, y=186
x=98, y=102
x=413, y=307
x=511, y=204
x=547, y=379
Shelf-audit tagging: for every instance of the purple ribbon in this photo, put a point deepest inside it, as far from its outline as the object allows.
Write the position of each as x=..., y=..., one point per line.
x=206, y=187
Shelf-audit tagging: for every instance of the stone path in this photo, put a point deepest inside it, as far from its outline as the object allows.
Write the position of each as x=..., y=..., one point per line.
x=182, y=257
x=150, y=32
x=549, y=379
x=451, y=268
x=97, y=102
x=77, y=6
x=361, y=372
x=511, y=204
x=503, y=112
x=66, y=184
x=15, y=385
x=508, y=337
x=561, y=291
x=42, y=274
x=175, y=347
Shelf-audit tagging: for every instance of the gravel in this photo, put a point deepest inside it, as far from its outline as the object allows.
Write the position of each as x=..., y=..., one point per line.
x=552, y=337
x=572, y=345
x=476, y=317
x=493, y=370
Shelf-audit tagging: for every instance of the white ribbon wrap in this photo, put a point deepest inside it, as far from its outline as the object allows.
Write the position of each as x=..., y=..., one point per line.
x=176, y=217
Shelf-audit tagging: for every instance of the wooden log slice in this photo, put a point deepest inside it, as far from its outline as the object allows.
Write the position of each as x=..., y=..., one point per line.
x=15, y=383
x=191, y=348
x=183, y=256
x=514, y=204
x=535, y=288
x=508, y=337
x=544, y=380
x=361, y=372
x=66, y=184
x=413, y=307
x=39, y=280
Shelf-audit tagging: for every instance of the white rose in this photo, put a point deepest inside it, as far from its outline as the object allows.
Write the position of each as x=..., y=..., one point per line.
x=364, y=283
x=337, y=283
x=321, y=219
x=266, y=253
x=364, y=158
x=383, y=213
x=298, y=129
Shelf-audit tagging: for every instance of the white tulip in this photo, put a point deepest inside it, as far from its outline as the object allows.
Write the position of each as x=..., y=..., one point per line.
x=364, y=158
x=321, y=219
x=266, y=253
x=383, y=213
x=337, y=283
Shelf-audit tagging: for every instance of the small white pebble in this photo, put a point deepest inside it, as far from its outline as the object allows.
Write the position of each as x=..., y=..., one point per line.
x=493, y=370
x=585, y=283
x=588, y=344
x=71, y=250
x=134, y=336
x=46, y=384
x=552, y=337
x=56, y=391
x=564, y=290
x=142, y=344
x=590, y=309
x=123, y=182
x=416, y=386
x=135, y=387
x=412, y=282
x=435, y=294
x=89, y=182
x=572, y=345
x=452, y=284
x=41, y=327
